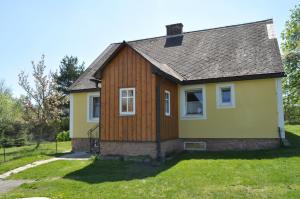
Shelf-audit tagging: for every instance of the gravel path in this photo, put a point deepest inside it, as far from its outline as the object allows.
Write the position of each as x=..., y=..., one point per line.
x=7, y=185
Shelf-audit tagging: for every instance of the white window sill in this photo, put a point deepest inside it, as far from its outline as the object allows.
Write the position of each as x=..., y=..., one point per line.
x=193, y=117
x=127, y=114
x=93, y=120
x=225, y=106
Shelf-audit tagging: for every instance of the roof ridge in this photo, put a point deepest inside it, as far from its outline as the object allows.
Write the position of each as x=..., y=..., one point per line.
x=207, y=29
x=234, y=25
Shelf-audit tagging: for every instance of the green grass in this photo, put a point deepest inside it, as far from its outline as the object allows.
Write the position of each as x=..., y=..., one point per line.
x=19, y=156
x=259, y=174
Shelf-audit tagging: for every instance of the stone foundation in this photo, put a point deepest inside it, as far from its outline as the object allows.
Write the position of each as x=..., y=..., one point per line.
x=171, y=146
x=140, y=148
x=108, y=148
x=227, y=144
x=81, y=144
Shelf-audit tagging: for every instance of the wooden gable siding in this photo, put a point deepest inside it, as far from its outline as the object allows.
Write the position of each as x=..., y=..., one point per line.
x=128, y=69
x=168, y=124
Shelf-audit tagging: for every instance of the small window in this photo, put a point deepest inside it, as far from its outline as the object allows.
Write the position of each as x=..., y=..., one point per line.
x=194, y=103
x=127, y=101
x=167, y=103
x=225, y=96
x=94, y=108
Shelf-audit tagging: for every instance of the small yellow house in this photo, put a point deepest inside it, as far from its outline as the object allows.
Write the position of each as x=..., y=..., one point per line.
x=213, y=89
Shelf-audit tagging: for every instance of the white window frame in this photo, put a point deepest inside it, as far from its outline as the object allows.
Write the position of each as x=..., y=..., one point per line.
x=183, y=90
x=219, y=102
x=90, y=117
x=169, y=104
x=126, y=113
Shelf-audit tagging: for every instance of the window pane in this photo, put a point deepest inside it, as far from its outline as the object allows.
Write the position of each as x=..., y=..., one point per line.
x=130, y=93
x=226, y=95
x=167, y=103
x=194, y=102
x=96, y=107
x=124, y=104
x=167, y=106
x=124, y=93
x=130, y=104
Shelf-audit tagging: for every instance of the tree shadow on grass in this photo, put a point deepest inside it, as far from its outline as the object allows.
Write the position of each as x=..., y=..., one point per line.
x=115, y=170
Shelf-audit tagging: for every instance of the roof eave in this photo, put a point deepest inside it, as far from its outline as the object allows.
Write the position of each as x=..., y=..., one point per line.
x=234, y=78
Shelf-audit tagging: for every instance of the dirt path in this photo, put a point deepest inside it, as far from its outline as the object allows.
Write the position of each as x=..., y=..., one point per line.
x=7, y=185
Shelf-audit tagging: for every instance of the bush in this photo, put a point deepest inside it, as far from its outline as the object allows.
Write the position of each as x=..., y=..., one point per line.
x=63, y=136
x=19, y=141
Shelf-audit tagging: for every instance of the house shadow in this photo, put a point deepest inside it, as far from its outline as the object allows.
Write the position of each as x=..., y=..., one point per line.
x=100, y=171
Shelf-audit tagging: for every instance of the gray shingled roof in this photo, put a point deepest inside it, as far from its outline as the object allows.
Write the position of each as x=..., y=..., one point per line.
x=231, y=51
x=84, y=82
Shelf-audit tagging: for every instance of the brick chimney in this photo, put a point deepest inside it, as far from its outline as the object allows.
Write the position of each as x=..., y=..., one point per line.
x=174, y=29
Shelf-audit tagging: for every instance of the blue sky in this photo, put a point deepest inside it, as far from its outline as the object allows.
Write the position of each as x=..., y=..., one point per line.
x=57, y=28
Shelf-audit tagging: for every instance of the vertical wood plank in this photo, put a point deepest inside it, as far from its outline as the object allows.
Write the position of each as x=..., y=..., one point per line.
x=120, y=83
x=143, y=93
x=153, y=107
x=125, y=124
x=134, y=85
x=148, y=101
x=111, y=100
x=129, y=84
x=107, y=103
x=138, y=98
x=115, y=99
x=102, y=102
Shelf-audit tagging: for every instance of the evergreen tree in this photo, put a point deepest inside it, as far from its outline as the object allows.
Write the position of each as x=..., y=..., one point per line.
x=69, y=71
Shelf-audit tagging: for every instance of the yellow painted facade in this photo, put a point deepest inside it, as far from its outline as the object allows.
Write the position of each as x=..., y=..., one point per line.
x=254, y=115
x=81, y=124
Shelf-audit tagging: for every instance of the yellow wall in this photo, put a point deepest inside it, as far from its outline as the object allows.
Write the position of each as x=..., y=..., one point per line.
x=254, y=115
x=80, y=121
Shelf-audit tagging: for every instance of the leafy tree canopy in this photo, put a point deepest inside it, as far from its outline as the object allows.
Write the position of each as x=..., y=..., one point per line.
x=42, y=101
x=69, y=71
x=291, y=59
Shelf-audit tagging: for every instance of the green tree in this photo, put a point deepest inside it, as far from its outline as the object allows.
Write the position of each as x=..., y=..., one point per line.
x=291, y=59
x=42, y=101
x=9, y=111
x=69, y=71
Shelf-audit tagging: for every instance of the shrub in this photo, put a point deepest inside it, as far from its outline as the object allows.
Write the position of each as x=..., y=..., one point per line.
x=63, y=136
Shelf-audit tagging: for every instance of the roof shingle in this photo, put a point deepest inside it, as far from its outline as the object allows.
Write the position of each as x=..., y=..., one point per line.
x=231, y=51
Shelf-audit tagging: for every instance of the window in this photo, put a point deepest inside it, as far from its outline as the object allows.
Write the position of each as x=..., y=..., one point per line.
x=225, y=96
x=192, y=102
x=127, y=101
x=96, y=107
x=167, y=103
x=93, y=107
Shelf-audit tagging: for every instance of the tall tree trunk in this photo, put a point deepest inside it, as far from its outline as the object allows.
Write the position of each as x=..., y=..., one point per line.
x=39, y=138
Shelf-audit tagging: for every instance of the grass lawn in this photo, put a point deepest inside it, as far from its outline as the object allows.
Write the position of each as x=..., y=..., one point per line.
x=260, y=174
x=19, y=156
